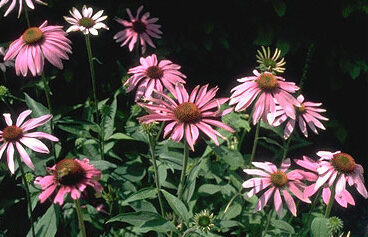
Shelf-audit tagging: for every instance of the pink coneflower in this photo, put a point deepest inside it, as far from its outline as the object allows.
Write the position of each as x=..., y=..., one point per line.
x=138, y=27
x=36, y=44
x=268, y=88
x=342, y=198
x=69, y=176
x=277, y=182
x=18, y=135
x=12, y=5
x=307, y=113
x=340, y=166
x=85, y=22
x=153, y=74
x=189, y=114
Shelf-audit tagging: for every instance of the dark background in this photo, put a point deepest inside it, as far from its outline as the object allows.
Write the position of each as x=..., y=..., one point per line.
x=215, y=42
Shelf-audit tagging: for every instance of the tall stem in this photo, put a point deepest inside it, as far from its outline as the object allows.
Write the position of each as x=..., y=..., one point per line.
x=95, y=101
x=316, y=198
x=49, y=105
x=27, y=17
x=286, y=148
x=27, y=194
x=157, y=180
x=268, y=222
x=306, y=67
x=182, y=176
x=241, y=140
x=331, y=201
x=80, y=217
x=255, y=142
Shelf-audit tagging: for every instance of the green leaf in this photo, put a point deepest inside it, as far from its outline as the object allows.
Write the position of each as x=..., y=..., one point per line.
x=319, y=227
x=140, y=195
x=120, y=136
x=132, y=170
x=37, y=108
x=209, y=189
x=47, y=225
x=177, y=205
x=108, y=118
x=237, y=121
x=232, y=157
x=280, y=7
x=102, y=164
x=283, y=226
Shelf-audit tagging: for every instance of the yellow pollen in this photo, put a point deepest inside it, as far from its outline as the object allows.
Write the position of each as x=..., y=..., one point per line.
x=301, y=109
x=12, y=133
x=267, y=81
x=69, y=171
x=279, y=179
x=343, y=162
x=32, y=35
x=154, y=72
x=187, y=113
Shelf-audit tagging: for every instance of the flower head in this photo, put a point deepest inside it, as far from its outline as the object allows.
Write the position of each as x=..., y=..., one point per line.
x=323, y=171
x=153, y=75
x=307, y=113
x=138, y=28
x=4, y=64
x=36, y=44
x=69, y=176
x=18, y=135
x=277, y=182
x=267, y=89
x=268, y=63
x=86, y=22
x=189, y=114
x=203, y=221
x=12, y=5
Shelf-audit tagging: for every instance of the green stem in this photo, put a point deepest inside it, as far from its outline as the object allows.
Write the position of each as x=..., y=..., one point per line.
x=306, y=67
x=286, y=148
x=80, y=217
x=255, y=142
x=49, y=105
x=230, y=202
x=190, y=230
x=313, y=205
x=182, y=176
x=160, y=131
x=241, y=140
x=27, y=194
x=268, y=222
x=95, y=101
x=331, y=201
x=157, y=180
x=27, y=17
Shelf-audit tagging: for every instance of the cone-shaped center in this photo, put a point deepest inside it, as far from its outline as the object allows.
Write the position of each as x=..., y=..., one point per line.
x=267, y=81
x=139, y=27
x=12, y=133
x=86, y=22
x=343, y=162
x=69, y=172
x=279, y=179
x=300, y=109
x=154, y=72
x=32, y=35
x=187, y=112
x=204, y=221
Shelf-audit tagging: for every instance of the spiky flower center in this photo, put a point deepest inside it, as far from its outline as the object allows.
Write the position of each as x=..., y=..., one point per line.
x=300, y=109
x=139, y=27
x=279, y=179
x=204, y=221
x=86, y=22
x=267, y=81
x=32, y=35
x=12, y=133
x=343, y=162
x=154, y=72
x=69, y=172
x=187, y=112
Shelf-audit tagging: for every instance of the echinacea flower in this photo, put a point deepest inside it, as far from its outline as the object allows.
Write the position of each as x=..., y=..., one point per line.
x=153, y=75
x=36, y=44
x=18, y=135
x=13, y=3
x=138, y=28
x=4, y=64
x=307, y=113
x=271, y=64
x=342, y=197
x=277, y=182
x=340, y=167
x=86, y=22
x=269, y=89
x=69, y=176
x=189, y=114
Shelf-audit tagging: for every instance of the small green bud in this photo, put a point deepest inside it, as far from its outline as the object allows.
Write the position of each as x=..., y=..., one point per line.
x=3, y=91
x=29, y=177
x=335, y=224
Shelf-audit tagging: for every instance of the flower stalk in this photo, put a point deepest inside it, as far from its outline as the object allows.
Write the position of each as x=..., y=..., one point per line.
x=254, y=148
x=332, y=197
x=182, y=176
x=80, y=217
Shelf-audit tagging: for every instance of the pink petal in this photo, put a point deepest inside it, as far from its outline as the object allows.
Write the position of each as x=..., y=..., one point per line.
x=8, y=120
x=10, y=156
x=264, y=199
x=277, y=202
x=24, y=155
x=46, y=193
x=267, y=166
x=59, y=198
x=326, y=194
x=34, y=144
x=41, y=135
x=23, y=116
x=289, y=202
